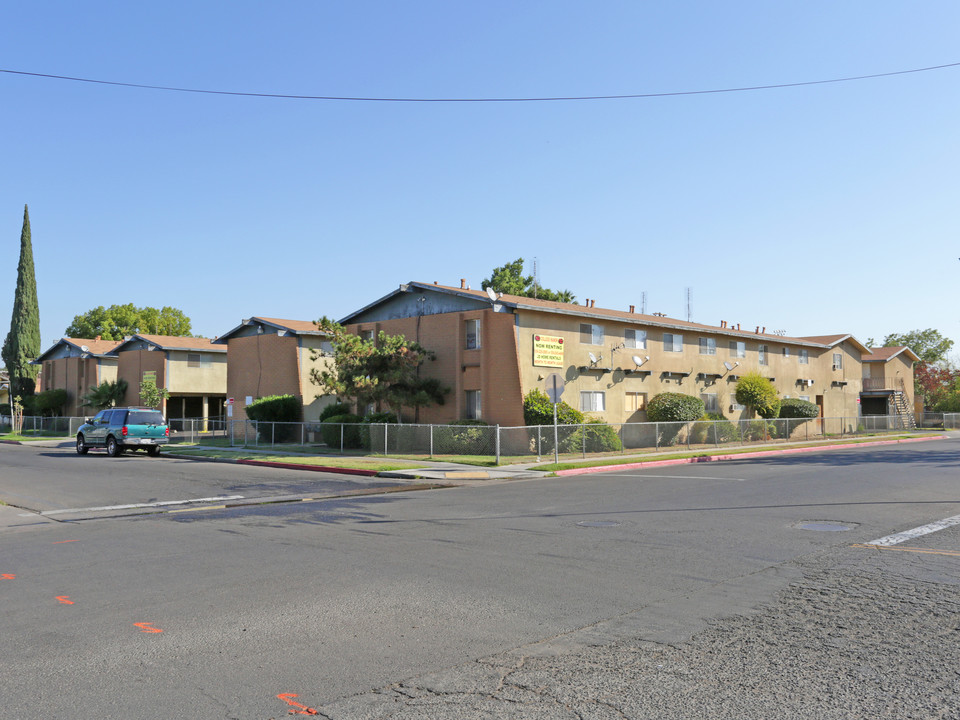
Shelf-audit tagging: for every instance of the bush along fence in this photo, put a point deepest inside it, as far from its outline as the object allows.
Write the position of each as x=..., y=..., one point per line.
x=536, y=441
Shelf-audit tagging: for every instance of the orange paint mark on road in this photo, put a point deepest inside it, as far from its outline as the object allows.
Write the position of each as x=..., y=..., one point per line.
x=64, y=599
x=8, y=576
x=145, y=627
x=58, y=542
x=304, y=709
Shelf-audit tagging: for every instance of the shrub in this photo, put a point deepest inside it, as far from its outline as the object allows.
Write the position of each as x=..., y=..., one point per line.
x=353, y=437
x=282, y=409
x=337, y=408
x=714, y=428
x=759, y=430
x=674, y=408
x=538, y=410
x=51, y=402
x=797, y=408
x=600, y=437
x=464, y=437
x=5, y=409
x=758, y=393
x=382, y=417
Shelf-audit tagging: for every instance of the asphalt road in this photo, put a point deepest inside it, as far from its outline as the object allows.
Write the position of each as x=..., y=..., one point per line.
x=683, y=592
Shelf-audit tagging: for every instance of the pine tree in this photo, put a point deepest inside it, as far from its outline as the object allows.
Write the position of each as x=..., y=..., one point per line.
x=23, y=341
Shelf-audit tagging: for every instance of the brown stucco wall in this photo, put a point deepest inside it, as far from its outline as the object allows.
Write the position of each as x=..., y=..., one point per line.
x=131, y=366
x=259, y=366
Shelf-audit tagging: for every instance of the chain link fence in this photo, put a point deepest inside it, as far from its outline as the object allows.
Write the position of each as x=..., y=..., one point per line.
x=513, y=443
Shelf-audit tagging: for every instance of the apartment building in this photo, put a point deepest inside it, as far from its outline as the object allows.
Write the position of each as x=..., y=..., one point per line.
x=271, y=356
x=492, y=349
x=888, y=382
x=77, y=365
x=191, y=369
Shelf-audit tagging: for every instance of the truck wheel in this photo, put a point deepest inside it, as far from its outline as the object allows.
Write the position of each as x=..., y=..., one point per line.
x=153, y=451
x=81, y=448
x=113, y=447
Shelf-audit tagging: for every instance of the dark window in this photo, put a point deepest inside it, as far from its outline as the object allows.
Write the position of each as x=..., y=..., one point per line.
x=145, y=417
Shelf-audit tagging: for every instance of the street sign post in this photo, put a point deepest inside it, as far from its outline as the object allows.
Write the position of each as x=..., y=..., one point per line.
x=554, y=385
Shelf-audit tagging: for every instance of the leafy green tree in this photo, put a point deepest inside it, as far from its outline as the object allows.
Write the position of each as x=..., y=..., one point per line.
x=151, y=395
x=759, y=394
x=929, y=345
x=51, y=402
x=106, y=394
x=119, y=321
x=22, y=343
x=378, y=372
x=510, y=280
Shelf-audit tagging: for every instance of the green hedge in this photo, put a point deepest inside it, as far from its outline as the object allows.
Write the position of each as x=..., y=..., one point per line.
x=281, y=409
x=714, y=428
x=797, y=408
x=355, y=434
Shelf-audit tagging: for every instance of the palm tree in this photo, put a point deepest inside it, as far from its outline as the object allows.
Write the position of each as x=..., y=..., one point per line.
x=106, y=394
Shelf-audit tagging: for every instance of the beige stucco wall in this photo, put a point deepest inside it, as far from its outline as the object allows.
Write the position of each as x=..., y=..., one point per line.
x=313, y=398
x=838, y=400
x=77, y=376
x=183, y=379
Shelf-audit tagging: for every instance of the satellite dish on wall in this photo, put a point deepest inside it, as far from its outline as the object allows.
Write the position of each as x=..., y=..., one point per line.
x=84, y=348
x=491, y=294
x=638, y=361
x=728, y=366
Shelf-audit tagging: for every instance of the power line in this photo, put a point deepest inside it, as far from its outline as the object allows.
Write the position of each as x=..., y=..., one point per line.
x=476, y=100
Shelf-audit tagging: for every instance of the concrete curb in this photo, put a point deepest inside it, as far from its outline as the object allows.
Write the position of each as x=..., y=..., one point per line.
x=737, y=456
x=314, y=468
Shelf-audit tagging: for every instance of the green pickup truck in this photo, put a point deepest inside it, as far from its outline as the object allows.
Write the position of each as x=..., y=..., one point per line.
x=121, y=429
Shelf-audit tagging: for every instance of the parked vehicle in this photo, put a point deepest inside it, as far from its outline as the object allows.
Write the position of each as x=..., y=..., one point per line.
x=121, y=429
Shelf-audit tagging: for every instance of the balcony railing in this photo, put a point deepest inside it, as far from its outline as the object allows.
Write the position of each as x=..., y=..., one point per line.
x=874, y=383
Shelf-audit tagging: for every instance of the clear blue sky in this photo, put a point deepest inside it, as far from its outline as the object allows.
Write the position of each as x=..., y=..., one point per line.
x=820, y=209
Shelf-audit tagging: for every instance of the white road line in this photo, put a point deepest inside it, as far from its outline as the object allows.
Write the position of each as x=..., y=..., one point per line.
x=899, y=537
x=162, y=503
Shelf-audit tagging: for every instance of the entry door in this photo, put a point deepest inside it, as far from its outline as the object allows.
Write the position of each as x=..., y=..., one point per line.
x=820, y=408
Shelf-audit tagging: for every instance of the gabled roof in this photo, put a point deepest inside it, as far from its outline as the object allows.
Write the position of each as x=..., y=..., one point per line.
x=78, y=346
x=517, y=302
x=169, y=342
x=294, y=327
x=885, y=354
x=834, y=340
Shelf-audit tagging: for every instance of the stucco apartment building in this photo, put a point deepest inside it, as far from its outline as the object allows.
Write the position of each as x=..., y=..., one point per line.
x=888, y=387
x=191, y=369
x=77, y=365
x=271, y=356
x=493, y=349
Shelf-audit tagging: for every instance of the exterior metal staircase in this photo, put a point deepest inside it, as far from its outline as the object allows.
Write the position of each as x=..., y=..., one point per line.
x=902, y=407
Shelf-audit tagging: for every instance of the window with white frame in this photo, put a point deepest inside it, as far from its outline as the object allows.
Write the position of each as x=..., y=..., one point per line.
x=672, y=342
x=591, y=334
x=738, y=349
x=838, y=361
x=803, y=356
x=710, y=402
x=593, y=401
x=762, y=352
x=708, y=346
x=805, y=397
x=735, y=406
x=635, y=401
x=366, y=334
x=635, y=339
x=786, y=352
x=472, y=334
x=472, y=410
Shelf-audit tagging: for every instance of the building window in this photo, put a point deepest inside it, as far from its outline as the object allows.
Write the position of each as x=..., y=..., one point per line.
x=472, y=330
x=762, y=350
x=710, y=402
x=738, y=349
x=838, y=361
x=635, y=401
x=804, y=357
x=198, y=360
x=708, y=346
x=786, y=352
x=366, y=334
x=805, y=397
x=592, y=401
x=635, y=339
x=473, y=404
x=672, y=342
x=591, y=334
x=735, y=406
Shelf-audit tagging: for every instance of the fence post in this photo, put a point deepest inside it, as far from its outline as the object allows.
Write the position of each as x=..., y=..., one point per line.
x=498, y=444
x=656, y=435
x=538, y=442
x=303, y=433
x=341, y=438
x=386, y=427
x=431, y=441
x=583, y=437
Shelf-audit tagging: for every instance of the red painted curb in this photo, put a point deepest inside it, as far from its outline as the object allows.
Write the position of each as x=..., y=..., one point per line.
x=314, y=468
x=740, y=456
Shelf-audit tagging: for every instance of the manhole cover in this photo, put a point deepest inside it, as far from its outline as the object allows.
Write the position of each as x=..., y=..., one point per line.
x=598, y=523
x=825, y=525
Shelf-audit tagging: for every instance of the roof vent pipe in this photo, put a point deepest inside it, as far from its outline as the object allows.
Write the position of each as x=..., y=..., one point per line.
x=463, y=283
x=633, y=308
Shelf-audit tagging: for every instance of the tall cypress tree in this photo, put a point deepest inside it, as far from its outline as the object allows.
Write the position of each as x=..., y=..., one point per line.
x=23, y=341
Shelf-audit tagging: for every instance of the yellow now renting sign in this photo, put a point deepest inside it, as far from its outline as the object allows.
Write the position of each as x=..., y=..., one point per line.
x=547, y=351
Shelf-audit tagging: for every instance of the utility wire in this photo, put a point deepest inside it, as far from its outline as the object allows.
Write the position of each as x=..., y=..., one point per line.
x=477, y=100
